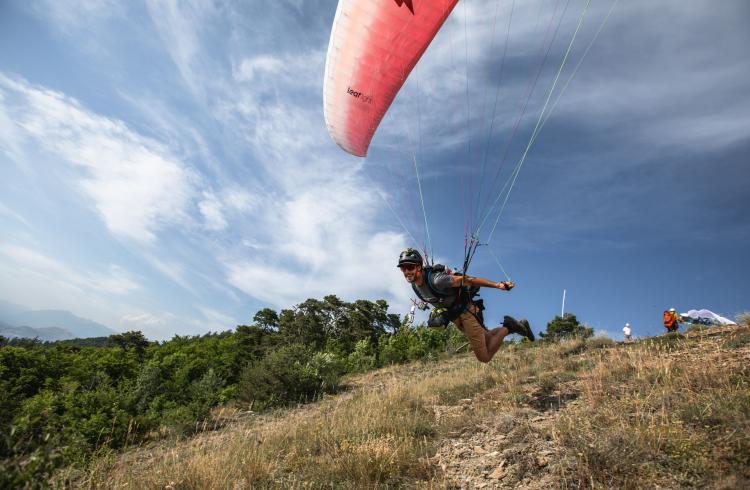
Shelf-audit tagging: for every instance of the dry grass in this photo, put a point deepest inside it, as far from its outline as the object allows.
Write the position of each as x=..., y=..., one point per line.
x=668, y=414
x=380, y=434
x=673, y=413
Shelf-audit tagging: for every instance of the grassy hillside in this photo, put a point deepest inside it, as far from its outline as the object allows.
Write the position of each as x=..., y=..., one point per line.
x=668, y=412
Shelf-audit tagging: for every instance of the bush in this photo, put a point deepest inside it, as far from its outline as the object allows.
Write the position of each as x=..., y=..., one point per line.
x=566, y=326
x=328, y=367
x=600, y=342
x=420, y=343
x=284, y=376
x=363, y=358
x=743, y=318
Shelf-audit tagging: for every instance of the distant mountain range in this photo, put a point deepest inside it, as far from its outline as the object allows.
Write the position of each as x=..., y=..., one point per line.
x=17, y=321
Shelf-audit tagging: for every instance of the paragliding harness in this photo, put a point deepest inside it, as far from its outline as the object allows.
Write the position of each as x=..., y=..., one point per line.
x=670, y=321
x=442, y=316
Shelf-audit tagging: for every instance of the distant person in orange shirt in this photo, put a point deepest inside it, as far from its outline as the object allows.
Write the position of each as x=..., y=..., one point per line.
x=672, y=320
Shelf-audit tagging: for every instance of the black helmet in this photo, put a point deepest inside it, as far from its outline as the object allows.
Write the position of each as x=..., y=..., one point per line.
x=409, y=256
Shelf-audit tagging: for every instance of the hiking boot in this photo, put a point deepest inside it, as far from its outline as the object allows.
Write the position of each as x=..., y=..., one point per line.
x=529, y=333
x=521, y=328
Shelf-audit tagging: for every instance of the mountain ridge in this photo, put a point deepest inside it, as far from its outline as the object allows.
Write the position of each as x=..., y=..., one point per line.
x=47, y=324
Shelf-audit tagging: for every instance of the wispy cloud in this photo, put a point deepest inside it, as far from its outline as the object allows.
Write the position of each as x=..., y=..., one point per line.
x=7, y=212
x=250, y=68
x=216, y=321
x=136, y=185
x=113, y=280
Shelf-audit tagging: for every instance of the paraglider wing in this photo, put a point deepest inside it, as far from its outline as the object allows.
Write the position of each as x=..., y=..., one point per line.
x=374, y=46
x=706, y=317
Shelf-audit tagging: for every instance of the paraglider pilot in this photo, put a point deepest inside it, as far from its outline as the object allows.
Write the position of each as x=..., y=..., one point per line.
x=452, y=298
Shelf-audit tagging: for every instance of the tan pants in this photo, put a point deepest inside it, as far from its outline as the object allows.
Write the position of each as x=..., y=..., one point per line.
x=473, y=331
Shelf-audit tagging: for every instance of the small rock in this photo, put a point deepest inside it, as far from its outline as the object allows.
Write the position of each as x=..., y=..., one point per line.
x=498, y=473
x=480, y=450
x=465, y=401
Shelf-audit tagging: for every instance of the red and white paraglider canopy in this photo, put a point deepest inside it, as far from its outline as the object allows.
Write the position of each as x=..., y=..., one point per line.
x=374, y=46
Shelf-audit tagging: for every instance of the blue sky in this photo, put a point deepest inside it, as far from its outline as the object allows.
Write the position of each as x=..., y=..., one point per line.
x=164, y=166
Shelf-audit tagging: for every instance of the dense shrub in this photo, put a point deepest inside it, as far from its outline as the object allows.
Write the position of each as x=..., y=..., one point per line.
x=415, y=344
x=285, y=375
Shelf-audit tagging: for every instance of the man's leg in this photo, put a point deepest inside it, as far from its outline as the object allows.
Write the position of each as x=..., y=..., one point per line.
x=484, y=344
x=494, y=339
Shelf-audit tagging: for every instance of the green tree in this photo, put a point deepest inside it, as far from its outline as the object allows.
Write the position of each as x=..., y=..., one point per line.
x=566, y=326
x=267, y=319
x=134, y=340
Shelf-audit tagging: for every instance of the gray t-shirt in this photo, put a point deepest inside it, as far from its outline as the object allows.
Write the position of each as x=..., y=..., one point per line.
x=442, y=282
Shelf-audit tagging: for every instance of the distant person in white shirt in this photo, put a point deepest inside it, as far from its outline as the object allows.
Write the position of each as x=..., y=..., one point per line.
x=626, y=330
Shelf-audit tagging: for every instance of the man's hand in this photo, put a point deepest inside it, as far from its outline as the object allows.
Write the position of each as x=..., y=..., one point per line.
x=506, y=285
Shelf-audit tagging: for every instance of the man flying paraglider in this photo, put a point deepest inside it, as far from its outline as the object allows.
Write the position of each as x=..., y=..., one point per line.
x=373, y=47
x=451, y=295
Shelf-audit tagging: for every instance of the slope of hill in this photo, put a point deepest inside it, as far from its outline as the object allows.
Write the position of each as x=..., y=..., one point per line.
x=666, y=412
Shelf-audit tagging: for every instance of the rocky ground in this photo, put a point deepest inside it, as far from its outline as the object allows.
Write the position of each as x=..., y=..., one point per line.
x=506, y=450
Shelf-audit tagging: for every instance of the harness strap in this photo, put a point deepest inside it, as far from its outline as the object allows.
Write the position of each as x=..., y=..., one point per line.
x=460, y=305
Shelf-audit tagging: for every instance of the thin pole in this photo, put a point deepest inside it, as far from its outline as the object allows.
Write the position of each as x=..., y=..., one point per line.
x=562, y=309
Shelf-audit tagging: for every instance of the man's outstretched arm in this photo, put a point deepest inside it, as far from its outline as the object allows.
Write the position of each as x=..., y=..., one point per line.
x=481, y=282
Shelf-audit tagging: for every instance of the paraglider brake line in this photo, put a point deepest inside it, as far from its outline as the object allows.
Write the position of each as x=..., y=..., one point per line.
x=498, y=262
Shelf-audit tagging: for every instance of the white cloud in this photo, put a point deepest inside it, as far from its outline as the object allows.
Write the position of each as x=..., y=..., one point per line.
x=216, y=321
x=179, y=24
x=11, y=140
x=239, y=199
x=211, y=209
x=163, y=325
x=32, y=259
x=9, y=213
x=76, y=14
x=250, y=68
x=214, y=207
x=141, y=319
x=115, y=280
x=136, y=185
x=155, y=326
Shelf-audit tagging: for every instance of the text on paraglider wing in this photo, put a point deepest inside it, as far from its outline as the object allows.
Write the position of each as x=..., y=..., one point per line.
x=359, y=95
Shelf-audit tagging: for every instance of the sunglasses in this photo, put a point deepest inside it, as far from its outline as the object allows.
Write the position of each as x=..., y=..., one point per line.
x=407, y=267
